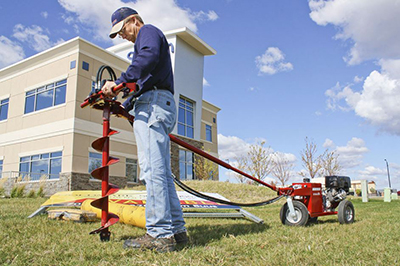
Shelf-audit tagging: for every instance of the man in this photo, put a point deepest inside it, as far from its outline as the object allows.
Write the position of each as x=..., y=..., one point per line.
x=155, y=117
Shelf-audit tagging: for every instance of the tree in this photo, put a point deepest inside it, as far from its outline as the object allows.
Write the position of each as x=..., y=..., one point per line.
x=241, y=164
x=205, y=169
x=325, y=164
x=282, y=168
x=330, y=163
x=310, y=160
x=257, y=162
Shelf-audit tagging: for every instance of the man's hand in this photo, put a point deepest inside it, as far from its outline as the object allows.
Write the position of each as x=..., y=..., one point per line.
x=107, y=89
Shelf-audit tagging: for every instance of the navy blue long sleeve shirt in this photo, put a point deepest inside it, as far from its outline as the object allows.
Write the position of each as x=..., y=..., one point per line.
x=151, y=63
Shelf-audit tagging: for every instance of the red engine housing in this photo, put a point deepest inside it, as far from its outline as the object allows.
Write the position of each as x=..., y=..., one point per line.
x=311, y=195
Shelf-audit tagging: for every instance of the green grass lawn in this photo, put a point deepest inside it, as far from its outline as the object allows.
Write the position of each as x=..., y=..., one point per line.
x=374, y=238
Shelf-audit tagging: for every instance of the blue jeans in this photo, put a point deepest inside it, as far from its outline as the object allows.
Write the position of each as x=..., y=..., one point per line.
x=155, y=118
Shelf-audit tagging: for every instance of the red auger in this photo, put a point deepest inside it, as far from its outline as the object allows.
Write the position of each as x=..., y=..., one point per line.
x=99, y=101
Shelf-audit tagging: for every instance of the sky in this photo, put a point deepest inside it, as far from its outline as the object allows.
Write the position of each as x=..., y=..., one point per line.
x=284, y=69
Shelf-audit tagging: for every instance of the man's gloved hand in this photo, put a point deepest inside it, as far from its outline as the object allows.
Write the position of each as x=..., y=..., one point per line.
x=107, y=89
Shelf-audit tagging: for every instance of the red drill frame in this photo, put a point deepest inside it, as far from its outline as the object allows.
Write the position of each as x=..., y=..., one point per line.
x=310, y=194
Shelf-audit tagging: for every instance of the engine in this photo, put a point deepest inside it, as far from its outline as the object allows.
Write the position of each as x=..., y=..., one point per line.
x=336, y=189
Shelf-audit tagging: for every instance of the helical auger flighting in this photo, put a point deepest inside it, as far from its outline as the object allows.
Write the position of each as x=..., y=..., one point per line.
x=102, y=173
x=98, y=100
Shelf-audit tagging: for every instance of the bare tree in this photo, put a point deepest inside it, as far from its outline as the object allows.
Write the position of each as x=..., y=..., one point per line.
x=260, y=160
x=330, y=163
x=205, y=169
x=282, y=168
x=241, y=164
x=311, y=161
x=257, y=162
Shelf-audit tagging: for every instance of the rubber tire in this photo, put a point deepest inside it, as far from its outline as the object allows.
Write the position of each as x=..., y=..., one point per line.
x=301, y=211
x=346, y=212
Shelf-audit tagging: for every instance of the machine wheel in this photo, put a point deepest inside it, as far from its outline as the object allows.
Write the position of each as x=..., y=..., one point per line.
x=301, y=212
x=346, y=212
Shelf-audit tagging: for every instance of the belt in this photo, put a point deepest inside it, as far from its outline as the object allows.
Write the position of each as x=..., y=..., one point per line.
x=160, y=88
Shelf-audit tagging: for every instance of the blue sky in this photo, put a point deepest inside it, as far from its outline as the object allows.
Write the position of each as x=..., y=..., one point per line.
x=284, y=70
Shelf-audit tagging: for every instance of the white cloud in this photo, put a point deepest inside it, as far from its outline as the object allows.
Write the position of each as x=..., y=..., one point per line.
x=165, y=14
x=10, y=52
x=370, y=26
x=203, y=16
x=34, y=36
x=205, y=83
x=44, y=14
x=378, y=102
x=380, y=175
x=289, y=158
x=272, y=62
x=328, y=144
x=351, y=155
x=231, y=147
x=358, y=79
x=372, y=171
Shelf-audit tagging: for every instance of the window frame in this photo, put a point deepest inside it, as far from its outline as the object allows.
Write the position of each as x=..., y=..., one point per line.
x=185, y=110
x=38, y=93
x=183, y=175
x=4, y=102
x=208, y=132
x=49, y=158
x=1, y=167
x=135, y=165
x=98, y=158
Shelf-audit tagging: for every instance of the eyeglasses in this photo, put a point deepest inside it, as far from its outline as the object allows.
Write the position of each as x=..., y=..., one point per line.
x=121, y=33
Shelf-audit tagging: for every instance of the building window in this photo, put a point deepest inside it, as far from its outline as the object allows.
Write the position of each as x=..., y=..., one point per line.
x=3, y=109
x=185, y=118
x=95, y=160
x=186, y=160
x=44, y=97
x=37, y=166
x=131, y=170
x=85, y=66
x=94, y=87
x=1, y=168
x=72, y=64
x=208, y=133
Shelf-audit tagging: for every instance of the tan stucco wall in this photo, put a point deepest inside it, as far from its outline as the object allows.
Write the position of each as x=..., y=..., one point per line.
x=67, y=127
x=208, y=116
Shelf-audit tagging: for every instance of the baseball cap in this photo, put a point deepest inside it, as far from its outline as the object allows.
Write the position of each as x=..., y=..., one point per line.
x=118, y=19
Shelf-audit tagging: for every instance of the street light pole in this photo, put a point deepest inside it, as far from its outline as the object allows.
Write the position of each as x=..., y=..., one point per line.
x=387, y=166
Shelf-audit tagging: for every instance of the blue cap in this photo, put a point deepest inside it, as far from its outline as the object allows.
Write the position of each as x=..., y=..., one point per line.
x=118, y=19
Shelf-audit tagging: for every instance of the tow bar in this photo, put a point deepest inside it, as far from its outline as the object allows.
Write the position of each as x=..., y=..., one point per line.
x=305, y=201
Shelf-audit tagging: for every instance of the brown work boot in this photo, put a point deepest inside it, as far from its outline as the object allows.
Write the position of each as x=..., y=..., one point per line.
x=181, y=238
x=148, y=242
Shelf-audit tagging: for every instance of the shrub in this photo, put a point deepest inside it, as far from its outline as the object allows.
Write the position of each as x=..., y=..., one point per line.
x=358, y=192
x=40, y=192
x=31, y=194
x=20, y=191
x=13, y=193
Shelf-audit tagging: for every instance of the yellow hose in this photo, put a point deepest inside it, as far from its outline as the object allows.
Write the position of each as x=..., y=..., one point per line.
x=128, y=214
